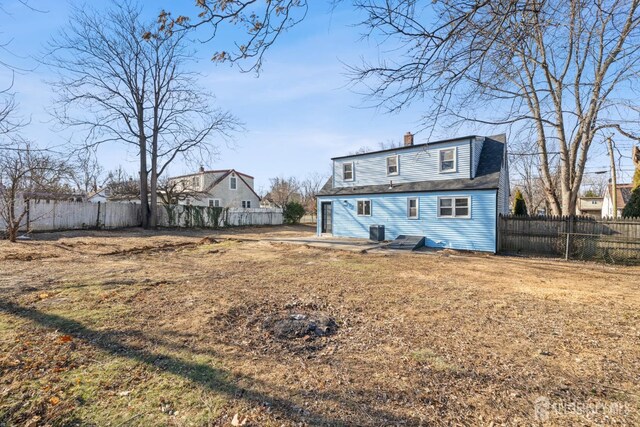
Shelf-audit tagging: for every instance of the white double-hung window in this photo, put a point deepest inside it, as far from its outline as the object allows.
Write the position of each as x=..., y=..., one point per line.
x=392, y=165
x=233, y=183
x=347, y=171
x=195, y=183
x=364, y=207
x=447, y=160
x=412, y=208
x=454, y=207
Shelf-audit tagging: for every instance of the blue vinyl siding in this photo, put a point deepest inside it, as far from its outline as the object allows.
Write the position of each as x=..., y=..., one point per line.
x=477, y=233
x=414, y=164
x=477, y=149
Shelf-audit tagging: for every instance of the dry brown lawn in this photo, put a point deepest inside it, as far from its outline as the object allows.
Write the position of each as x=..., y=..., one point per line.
x=139, y=328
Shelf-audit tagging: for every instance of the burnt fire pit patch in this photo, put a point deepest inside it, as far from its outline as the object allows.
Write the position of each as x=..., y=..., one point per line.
x=299, y=325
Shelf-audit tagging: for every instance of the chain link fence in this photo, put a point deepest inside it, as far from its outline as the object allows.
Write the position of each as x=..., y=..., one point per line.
x=602, y=248
x=572, y=238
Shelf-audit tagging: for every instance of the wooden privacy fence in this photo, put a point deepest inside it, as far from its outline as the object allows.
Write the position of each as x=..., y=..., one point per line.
x=186, y=216
x=63, y=215
x=571, y=237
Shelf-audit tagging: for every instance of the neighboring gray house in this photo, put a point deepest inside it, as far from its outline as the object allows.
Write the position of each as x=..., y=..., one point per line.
x=226, y=188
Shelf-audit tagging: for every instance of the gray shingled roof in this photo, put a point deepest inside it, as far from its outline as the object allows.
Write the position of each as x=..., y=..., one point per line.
x=487, y=177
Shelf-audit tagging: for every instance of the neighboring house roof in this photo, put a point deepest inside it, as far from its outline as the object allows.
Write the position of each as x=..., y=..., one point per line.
x=52, y=196
x=623, y=194
x=96, y=193
x=224, y=171
x=487, y=176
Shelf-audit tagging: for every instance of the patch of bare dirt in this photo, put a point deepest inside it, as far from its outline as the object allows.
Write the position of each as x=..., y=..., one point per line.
x=271, y=327
x=22, y=256
x=300, y=325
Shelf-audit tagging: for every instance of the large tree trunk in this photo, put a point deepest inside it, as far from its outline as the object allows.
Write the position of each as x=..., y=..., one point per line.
x=144, y=186
x=13, y=233
x=12, y=227
x=154, y=160
x=153, y=206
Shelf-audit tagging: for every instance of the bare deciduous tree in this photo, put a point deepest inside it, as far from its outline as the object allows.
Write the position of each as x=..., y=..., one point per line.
x=310, y=187
x=174, y=191
x=261, y=22
x=121, y=87
x=87, y=171
x=9, y=122
x=27, y=174
x=596, y=184
x=564, y=69
x=381, y=146
x=121, y=185
x=283, y=190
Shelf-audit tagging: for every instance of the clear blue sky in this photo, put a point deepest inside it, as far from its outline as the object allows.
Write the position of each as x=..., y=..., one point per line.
x=299, y=112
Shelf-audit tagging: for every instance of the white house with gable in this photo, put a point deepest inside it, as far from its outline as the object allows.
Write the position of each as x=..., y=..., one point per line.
x=225, y=188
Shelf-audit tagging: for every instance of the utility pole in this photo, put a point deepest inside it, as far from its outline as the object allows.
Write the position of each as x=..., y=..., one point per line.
x=614, y=188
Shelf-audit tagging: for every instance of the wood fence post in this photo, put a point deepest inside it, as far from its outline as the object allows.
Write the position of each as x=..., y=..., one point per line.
x=569, y=231
x=28, y=216
x=98, y=217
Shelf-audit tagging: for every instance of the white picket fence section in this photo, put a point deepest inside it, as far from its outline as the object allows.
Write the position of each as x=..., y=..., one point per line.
x=63, y=215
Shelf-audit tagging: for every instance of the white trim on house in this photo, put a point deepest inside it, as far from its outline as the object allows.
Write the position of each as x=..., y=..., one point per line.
x=397, y=165
x=417, y=214
x=344, y=178
x=453, y=207
x=455, y=160
x=364, y=210
x=233, y=179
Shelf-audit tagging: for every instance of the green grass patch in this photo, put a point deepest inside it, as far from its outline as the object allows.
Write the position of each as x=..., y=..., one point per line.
x=436, y=362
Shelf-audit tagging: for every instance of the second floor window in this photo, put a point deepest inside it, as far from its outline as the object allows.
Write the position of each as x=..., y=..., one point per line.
x=448, y=160
x=347, y=171
x=392, y=165
x=195, y=183
x=246, y=204
x=233, y=183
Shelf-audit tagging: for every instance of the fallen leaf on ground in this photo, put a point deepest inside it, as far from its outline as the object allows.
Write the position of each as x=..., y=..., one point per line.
x=236, y=421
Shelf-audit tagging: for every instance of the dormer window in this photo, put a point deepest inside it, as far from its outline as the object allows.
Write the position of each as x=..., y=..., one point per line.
x=347, y=171
x=392, y=165
x=448, y=160
x=195, y=183
x=233, y=183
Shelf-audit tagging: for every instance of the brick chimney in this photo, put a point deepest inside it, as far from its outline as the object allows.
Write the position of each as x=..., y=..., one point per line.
x=408, y=139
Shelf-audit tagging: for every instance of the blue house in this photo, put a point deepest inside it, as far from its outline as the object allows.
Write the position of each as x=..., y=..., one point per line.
x=450, y=192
